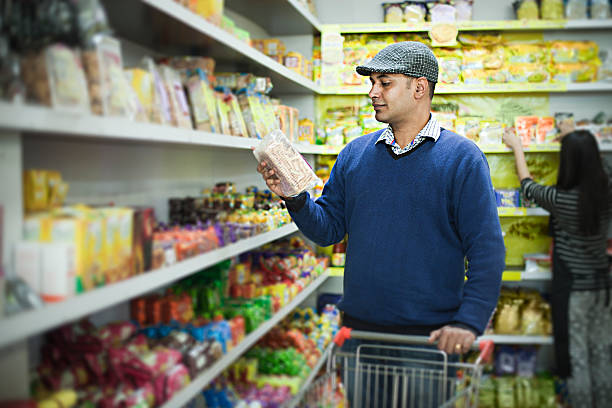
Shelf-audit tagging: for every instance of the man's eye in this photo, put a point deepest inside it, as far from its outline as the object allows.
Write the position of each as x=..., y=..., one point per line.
x=386, y=83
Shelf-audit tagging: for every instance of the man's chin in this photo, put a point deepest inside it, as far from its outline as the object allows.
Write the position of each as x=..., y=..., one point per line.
x=381, y=118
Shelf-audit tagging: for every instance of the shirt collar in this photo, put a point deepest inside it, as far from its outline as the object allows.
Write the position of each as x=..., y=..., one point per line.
x=430, y=130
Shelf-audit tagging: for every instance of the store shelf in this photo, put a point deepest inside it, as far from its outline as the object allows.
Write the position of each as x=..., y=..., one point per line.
x=47, y=121
x=446, y=89
x=517, y=339
x=167, y=26
x=474, y=25
x=522, y=276
x=182, y=397
x=507, y=276
x=295, y=401
x=40, y=320
x=521, y=212
x=277, y=17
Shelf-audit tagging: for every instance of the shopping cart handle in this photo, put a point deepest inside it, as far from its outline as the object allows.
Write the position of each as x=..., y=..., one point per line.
x=486, y=350
x=343, y=334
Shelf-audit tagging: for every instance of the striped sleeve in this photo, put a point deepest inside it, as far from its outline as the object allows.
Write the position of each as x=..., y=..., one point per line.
x=544, y=196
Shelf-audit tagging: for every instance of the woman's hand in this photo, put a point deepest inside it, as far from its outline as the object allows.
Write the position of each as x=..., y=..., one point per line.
x=511, y=139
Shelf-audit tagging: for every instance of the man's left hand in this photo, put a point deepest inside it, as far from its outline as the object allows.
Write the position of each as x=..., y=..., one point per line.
x=453, y=340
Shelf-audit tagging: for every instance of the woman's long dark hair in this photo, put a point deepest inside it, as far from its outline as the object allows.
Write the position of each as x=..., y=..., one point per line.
x=581, y=168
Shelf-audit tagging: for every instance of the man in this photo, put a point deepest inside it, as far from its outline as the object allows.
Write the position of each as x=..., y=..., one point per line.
x=416, y=200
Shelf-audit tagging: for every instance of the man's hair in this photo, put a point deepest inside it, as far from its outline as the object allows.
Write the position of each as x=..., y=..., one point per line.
x=432, y=85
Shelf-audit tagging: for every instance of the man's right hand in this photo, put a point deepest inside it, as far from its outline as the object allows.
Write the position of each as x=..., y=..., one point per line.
x=270, y=177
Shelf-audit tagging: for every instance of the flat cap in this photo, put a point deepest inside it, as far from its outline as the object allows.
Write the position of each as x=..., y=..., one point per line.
x=411, y=58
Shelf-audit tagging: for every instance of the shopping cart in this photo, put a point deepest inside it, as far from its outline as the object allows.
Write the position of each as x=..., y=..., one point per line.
x=379, y=373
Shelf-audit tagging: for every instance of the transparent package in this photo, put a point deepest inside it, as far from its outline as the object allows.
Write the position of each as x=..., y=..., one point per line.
x=295, y=174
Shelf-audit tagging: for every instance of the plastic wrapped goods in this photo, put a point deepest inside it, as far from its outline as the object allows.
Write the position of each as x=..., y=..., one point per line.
x=293, y=171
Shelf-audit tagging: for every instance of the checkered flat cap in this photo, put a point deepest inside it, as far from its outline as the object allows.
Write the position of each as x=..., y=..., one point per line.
x=411, y=58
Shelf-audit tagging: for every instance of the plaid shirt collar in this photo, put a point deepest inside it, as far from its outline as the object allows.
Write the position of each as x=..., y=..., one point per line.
x=431, y=130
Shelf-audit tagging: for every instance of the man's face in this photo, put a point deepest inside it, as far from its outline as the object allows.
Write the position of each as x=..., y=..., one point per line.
x=392, y=96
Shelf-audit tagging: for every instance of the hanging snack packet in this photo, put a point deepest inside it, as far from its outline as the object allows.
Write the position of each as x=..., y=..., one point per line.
x=526, y=127
x=293, y=171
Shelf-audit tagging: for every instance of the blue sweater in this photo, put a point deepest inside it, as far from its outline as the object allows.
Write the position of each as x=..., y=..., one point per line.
x=411, y=220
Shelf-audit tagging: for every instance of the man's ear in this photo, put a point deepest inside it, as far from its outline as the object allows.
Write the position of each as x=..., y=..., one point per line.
x=421, y=88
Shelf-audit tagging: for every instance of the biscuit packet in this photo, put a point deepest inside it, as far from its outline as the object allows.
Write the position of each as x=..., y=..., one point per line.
x=295, y=174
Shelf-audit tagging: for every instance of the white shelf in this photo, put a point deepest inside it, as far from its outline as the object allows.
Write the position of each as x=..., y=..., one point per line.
x=278, y=17
x=517, y=339
x=167, y=25
x=40, y=320
x=521, y=212
x=197, y=384
x=48, y=121
x=536, y=276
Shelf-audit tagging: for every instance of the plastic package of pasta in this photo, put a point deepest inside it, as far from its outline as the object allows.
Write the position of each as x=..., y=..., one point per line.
x=294, y=172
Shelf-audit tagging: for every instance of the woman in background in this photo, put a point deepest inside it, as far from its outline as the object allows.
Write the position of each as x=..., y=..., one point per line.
x=579, y=206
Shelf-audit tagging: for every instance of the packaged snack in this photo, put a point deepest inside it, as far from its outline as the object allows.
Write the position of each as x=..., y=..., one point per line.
x=564, y=119
x=35, y=190
x=547, y=131
x=576, y=9
x=59, y=272
x=414, y=12
x=294, y=61
x=179, y=108
x=450, y=70
x=480, y=39
x=193, y=63
x=484, y=76
x=393, y=12
x=551, y=9
x=507, y=198
x=236, y=122
x=474, y=57
x=223, y=112
x=442, y=13
x=507, y=318
x=274, y=48
x=203, y=102
x=491, y=132
x=505, y=361
x=605, y=70
x=527, y=72
x=574, y=51
x=468, y=127
x=293, y=171
x=463, y=9
x=574, y=72
x=526, y=128
x=55, y=77
x=109, y=89
x=143, y=224
x=526, y=10
x=600, y=9
x=212, y=10
x=306, y=131
x=161, y=112
x=526, y=53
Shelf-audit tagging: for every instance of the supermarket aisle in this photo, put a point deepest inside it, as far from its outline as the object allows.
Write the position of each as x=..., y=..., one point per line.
x=129, y=185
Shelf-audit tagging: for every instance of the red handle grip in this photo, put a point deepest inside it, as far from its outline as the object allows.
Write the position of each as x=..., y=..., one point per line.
x=343, y=334
x=486, y=349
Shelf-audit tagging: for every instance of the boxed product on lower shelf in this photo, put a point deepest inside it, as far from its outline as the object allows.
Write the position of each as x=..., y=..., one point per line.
x=175, y=336
x=273, y=372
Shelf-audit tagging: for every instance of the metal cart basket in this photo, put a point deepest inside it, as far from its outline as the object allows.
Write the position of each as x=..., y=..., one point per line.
x=394, y=371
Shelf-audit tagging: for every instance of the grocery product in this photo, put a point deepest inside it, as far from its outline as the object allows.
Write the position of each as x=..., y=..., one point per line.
x=202, y=99
x=293, y=171
x=55, y=77
x=599, y=9
x=546, y=130
x=526, y=128
x=576, y=9
x=393, y=12
x=526, y=9
x=179, y=109
x=414, y=12
x=306, y=131
x=551, y=9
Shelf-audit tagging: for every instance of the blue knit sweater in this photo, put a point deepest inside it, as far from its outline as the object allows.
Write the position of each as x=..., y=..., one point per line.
x=411, y=220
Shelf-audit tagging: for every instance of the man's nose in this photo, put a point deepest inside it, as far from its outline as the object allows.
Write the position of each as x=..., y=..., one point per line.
x=374, y=92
